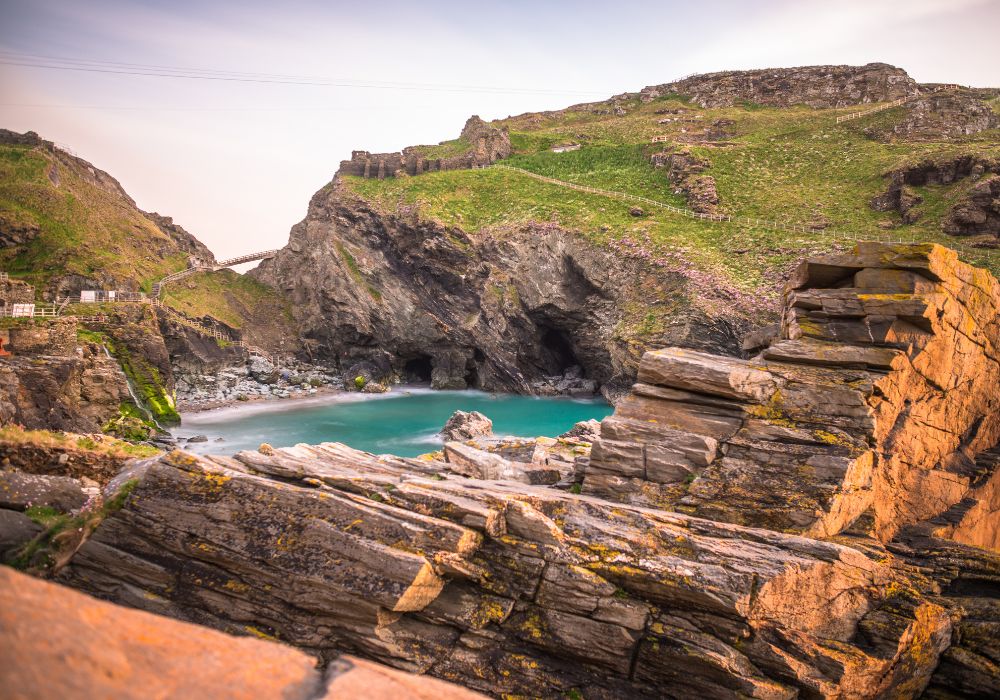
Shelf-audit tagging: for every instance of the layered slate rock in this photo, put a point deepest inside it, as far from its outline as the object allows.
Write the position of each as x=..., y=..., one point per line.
x=57, y=643
x=876, y=400
x=503, y=587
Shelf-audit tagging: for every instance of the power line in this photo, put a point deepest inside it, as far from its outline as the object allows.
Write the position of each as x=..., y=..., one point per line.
x=145, y=70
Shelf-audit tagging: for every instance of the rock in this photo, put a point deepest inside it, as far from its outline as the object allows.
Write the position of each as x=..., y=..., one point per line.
x=18, y=491
x=477, y=464
x=198, y=438
x=636, y=211
x=939, y=116
x=56, y=642
x=15, y=530
x=374, y=388
x=265, y=449
x=821, y=87
x=466, y=425
x=506, y=587
x=875, y=399
x=587, y=430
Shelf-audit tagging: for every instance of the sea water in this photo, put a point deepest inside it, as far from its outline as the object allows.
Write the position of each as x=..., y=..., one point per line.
x=404, y=422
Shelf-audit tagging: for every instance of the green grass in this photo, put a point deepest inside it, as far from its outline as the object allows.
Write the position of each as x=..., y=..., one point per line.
x=223, y=295
x=445, y=149
x=83, y=229
x=792, y=165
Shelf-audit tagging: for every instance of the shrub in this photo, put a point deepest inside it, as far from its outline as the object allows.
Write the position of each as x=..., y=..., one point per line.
x=359, y=382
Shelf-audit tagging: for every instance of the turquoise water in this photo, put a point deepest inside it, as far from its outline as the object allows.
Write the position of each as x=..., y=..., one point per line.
x=404, y=422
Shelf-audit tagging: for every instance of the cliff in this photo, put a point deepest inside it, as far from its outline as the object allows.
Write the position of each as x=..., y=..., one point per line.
x=838, y=541
x=500, y=310
x=66, y=225
x=875, y=402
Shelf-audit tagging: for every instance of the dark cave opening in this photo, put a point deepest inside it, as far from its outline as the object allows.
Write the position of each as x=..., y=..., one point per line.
x=556, y=351
x=472, y=369
x=418, y=370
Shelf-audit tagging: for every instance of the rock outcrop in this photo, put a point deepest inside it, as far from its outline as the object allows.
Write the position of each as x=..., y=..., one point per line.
x=528, y=309
x=875, y=402
x=57, y=643
x=464, y=425
x=975, y=214
x=815, y=86
x=939, y=116
x=79, y=392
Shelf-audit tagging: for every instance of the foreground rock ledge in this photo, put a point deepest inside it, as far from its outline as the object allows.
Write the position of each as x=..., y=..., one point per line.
x=837, y=565
x=57, y=643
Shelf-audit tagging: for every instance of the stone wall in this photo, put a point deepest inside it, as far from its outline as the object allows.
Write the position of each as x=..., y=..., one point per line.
x=486, y=146
x=15, y=292
x=54, y=337
x=815, y=86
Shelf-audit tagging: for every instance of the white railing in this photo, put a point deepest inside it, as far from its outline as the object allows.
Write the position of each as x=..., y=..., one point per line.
x=263, y=255
x=874, y=110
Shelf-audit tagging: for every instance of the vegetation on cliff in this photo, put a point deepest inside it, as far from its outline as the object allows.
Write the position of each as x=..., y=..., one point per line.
x=794, y=165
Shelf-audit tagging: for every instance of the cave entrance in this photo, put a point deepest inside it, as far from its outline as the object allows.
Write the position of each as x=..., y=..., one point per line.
x=418, y=370
x=472, y=379
x=556, y=351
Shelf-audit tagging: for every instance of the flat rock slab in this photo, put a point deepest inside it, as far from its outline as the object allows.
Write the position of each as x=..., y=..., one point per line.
x=58, y=643
x=19, y=491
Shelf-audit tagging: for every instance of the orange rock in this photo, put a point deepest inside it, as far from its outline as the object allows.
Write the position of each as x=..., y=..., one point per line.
x=58, y=643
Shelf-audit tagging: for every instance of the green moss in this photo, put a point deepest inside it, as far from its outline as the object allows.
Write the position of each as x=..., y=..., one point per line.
x=64, y=532
x=146, y=381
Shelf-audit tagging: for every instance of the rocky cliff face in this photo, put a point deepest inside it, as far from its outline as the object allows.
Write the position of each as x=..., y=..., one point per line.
x=398, y=296
x=52, y=382
x=876, y=401
x=815, y=86
x=940, y=116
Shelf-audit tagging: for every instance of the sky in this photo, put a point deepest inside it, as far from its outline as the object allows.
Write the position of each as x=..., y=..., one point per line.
x=275, y=95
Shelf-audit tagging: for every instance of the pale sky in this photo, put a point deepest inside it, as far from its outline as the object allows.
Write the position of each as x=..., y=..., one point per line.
x=235, y=161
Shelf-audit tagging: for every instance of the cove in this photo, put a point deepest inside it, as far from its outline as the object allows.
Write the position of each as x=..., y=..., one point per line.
x=404, y=422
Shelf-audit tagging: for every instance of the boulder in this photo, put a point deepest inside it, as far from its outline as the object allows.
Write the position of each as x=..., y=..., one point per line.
x=466, y=425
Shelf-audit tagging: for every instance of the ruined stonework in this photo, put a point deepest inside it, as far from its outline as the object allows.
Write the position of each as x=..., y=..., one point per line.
x=487, y=145
x=875, y=402
x=816, y=86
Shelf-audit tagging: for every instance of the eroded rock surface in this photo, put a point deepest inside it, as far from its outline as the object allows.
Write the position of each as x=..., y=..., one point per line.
x=816, y=86
x=877, y=399
x=537, y=309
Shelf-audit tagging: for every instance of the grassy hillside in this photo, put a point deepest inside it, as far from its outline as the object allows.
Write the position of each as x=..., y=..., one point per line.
x=795, y=165
x=83, y=227
x=225, y=296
